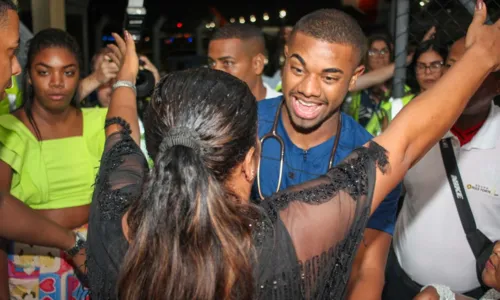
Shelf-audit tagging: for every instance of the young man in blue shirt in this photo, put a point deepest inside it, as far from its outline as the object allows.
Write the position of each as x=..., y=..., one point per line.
x=323, y=57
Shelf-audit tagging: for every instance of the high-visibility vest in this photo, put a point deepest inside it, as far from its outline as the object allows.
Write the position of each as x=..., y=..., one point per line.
x=353, y=102
x=388, y=110
x=278, y=87
x=12, y=100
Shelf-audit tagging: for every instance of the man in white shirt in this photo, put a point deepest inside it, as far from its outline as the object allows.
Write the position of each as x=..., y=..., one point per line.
x=429, y=245
x=239, y=49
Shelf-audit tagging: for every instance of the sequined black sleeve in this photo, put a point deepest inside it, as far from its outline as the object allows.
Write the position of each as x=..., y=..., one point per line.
x=305, y=242
x=307, y=245
x=119, y=181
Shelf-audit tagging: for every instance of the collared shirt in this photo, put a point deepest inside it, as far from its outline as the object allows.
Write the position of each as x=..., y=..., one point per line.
x=270, y=92
x=303, y=165
x=272, y=81
x=429, y=240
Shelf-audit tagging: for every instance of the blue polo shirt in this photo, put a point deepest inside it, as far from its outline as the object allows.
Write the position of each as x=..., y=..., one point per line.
x=301, y=165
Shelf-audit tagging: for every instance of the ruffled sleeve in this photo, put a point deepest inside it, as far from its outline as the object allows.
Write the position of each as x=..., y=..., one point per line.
x=14, y=141
x=94, y=133
x=121, y=174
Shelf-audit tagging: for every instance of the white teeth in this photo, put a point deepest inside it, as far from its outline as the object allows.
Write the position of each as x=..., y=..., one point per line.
x=306, y=103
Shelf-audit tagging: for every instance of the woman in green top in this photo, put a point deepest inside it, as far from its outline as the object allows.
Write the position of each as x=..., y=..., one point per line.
x=49, y=154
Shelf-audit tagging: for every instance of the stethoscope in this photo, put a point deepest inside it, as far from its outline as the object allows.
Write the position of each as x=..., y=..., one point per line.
x=274, y=135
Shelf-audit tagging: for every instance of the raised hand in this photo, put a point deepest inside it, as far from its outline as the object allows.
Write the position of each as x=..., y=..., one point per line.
x=124, y=50
x=430, y=34
x=115, y=55
x=148, y=65
x=485, y=37
x=106, y=69
x=123, y=100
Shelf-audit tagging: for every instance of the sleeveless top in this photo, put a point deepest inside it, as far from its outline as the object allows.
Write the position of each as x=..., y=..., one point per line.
x=334, y=208
x=56, y=173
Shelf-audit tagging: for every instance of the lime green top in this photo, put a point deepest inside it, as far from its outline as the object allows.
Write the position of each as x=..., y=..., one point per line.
x=13, y=99
x=56, y=173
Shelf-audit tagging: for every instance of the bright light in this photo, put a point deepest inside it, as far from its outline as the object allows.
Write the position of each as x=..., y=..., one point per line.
x=242, y=20
x=179, y=25
x=212, y=24
x=232, y=20
x=422, y=3
x=265, y=17
x=282, y=13
x=207, y=26
x=253, y=19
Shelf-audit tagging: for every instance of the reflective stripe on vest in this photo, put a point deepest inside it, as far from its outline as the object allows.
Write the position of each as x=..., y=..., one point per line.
x=390, y=108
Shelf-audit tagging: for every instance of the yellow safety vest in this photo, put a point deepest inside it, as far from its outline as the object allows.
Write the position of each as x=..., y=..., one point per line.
x=355, y=102
x=385, y=114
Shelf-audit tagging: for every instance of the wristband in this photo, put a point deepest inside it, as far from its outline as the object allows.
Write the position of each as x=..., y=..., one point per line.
x=124, y=83
x=80, y=243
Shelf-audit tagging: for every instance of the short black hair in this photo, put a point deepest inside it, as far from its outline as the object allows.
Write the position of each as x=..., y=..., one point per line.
x=333, y=26
x=5, y=6
x=242, y=32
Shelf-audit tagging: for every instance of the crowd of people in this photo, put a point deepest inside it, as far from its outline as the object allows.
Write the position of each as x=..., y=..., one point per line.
x=223, y=185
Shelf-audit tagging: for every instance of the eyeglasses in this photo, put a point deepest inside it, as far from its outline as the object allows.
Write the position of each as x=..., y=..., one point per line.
x=374, y=52
x=433, y=67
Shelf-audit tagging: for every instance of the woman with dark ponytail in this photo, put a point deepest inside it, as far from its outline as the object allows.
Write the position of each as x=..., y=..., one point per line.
x=205, y=227
x=186, y=229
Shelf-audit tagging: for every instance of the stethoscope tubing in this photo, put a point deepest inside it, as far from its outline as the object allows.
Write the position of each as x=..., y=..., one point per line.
x=274, y=134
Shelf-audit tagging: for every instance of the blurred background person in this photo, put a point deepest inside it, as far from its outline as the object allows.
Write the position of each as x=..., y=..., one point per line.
x=239, y=49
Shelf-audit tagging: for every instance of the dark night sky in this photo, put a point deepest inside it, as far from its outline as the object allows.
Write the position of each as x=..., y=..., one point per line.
x=190, y=12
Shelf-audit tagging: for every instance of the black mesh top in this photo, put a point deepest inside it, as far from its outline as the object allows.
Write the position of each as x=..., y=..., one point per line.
x=306, y=238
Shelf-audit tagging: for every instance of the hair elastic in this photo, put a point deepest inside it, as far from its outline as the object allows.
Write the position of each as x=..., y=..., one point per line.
x=181, y=136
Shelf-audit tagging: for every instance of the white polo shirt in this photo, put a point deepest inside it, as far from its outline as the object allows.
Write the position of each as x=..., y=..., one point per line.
x=429, y=240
